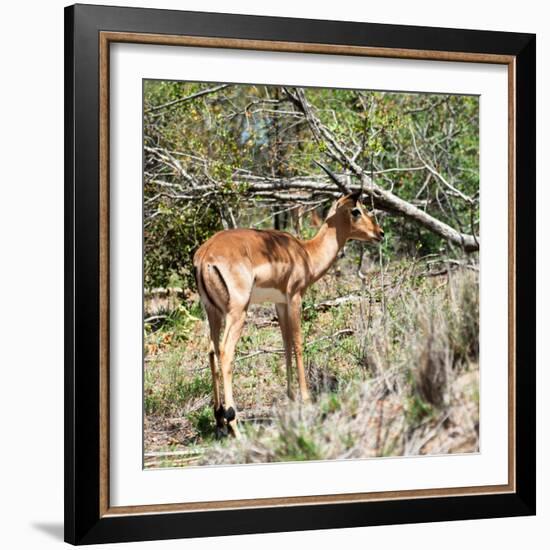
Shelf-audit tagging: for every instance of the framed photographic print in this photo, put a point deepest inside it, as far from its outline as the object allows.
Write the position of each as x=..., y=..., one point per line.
x=300, y=279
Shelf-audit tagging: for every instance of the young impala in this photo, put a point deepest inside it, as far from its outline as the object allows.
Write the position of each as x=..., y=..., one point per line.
x=239, y=267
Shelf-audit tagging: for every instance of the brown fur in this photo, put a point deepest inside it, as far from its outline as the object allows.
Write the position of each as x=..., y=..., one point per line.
x=238, y=266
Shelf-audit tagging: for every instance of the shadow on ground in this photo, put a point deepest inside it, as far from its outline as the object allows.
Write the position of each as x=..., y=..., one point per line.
x=54, y=530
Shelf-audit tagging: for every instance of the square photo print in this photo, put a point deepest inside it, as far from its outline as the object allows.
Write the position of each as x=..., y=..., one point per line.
x=310, y=273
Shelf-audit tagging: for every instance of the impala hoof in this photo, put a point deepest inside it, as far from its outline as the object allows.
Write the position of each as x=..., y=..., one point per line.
x=230, y=414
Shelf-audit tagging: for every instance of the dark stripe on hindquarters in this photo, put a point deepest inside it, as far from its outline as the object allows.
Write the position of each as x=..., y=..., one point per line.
x=210, y=299
x=201, y=286
x=220, y=276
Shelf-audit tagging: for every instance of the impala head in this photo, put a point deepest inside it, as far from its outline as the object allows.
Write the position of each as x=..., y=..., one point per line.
x=352, y=221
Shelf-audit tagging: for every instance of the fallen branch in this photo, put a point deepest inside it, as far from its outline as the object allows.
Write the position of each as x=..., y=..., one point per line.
x=335, y=302
x=385, y=199
x=259, y=352
x=337, y=334
x=450, y=266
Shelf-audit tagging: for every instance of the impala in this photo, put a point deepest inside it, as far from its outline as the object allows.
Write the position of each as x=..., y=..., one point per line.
x=239, y=267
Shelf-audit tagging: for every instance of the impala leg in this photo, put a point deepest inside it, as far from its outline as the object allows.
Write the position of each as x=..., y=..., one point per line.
x=282, y=316
x=294, y=318
x=215, y=324
x=234, y=323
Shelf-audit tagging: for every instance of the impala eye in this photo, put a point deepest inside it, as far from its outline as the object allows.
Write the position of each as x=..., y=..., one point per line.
x=356, y=212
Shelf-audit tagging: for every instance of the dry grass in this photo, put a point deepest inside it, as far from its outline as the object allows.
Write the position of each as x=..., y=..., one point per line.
x=394, y=371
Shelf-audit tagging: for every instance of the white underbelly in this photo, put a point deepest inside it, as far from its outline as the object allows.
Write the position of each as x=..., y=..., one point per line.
x=260, y=295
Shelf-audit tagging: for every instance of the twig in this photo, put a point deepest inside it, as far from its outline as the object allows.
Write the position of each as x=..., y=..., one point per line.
x=433, y=171
x=259, y=352
x=335, y=302
x=186, y=453
x=414, y=445
x=186, y=98
x=307, y=344
x=155, y=318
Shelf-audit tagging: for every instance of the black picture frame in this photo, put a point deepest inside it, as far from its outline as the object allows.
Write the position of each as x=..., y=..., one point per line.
x=84, y=522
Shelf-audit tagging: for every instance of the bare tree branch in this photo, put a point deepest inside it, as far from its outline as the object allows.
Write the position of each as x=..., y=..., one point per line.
x=433, y=171
x=385, y=199
x=186, y=98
